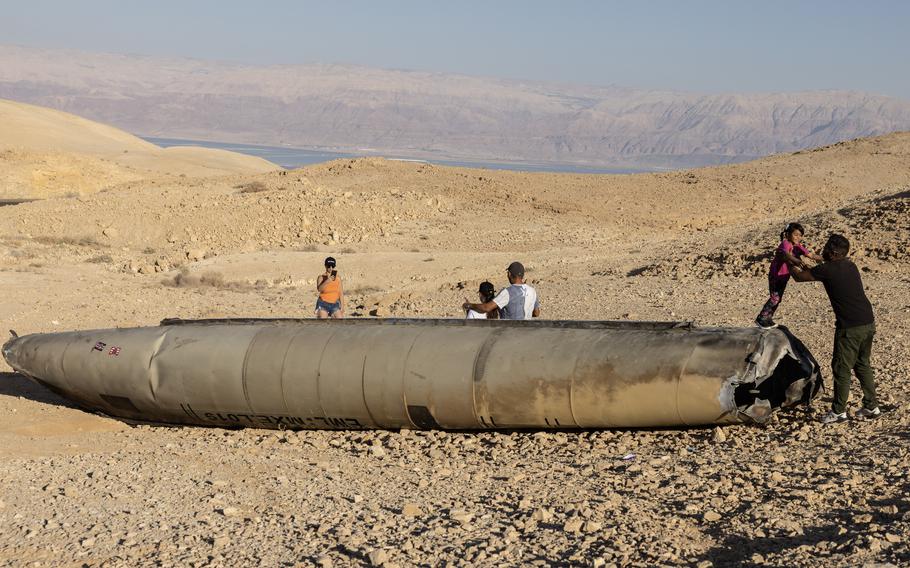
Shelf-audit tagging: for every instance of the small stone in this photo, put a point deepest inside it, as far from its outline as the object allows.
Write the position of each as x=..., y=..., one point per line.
x=195, y=254
x=757, y=559
x=711, y=516
x=377, y=451
x=110, y=232
x=87, y=542
x=777, y=476
x=592, y=526
x=573, y=525
x=542, y=515
x=221, y=541
x=378, y=557
x=357, y=499
x=230, y=511
x=719, y=436
x=411, y=510
x=324, y=561
x=778, y=458
x=862, y=518
x=461, y=516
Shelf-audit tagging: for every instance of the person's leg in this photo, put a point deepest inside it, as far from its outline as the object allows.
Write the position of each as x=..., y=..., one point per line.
x=322, y=314
x=863, y=366
x=336, y=314
x=776, y=289
x=842, y=361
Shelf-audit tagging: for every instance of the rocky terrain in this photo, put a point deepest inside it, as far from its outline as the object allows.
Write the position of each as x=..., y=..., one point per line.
x=421, y=114
x=414, y=240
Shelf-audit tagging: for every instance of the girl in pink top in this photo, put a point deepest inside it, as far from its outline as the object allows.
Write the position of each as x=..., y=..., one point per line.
x=788, y=253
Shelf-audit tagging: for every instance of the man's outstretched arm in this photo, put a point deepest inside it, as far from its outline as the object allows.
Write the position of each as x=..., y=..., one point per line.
x=803, y=275
x=483, y=308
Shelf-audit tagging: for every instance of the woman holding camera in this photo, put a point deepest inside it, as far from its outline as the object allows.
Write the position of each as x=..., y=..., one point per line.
x=330, y=303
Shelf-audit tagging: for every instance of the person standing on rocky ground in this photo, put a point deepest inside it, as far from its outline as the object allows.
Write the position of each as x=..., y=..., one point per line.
x=518, y=301
x=789, y=254
x=330, y=303
x=854, y=327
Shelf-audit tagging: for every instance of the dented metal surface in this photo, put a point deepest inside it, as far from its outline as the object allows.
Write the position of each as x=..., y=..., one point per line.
x=451, y=374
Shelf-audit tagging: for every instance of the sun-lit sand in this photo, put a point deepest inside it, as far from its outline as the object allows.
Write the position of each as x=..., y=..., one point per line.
x=45, y=152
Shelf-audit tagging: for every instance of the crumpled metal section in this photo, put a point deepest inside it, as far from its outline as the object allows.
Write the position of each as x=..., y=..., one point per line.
x=452, y=374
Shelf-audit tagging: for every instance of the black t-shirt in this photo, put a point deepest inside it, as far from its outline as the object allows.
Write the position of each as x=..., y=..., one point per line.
x=845, y=290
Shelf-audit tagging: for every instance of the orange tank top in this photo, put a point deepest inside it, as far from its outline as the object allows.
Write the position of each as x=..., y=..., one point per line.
x=331, y=293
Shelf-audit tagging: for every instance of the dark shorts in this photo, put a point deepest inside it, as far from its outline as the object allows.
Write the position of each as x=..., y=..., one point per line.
x=327, y=307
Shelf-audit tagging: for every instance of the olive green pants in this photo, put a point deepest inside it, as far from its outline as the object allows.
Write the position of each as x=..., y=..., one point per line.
x=852, y=353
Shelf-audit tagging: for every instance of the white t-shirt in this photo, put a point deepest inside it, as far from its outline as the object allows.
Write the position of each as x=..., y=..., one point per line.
x=472, y=315
x=517, y=302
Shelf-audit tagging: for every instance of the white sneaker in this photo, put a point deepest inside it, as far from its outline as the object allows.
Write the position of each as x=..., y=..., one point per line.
x=833, y=417
x=868, y=412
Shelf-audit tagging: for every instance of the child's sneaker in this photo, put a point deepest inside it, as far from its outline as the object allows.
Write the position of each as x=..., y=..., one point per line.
x=833, y=417
x=868, y=412
x=765, y=323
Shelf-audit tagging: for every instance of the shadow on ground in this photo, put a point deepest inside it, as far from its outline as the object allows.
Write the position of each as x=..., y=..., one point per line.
x=16, y=385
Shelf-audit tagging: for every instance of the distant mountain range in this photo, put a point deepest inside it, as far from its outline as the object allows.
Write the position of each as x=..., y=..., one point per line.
x=420, y=114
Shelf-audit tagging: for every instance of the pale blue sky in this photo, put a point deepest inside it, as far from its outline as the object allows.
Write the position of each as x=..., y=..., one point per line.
x=711, y=46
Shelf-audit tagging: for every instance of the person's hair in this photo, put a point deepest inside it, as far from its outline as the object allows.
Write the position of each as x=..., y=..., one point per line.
x=329, y=261
x=838, y=246
x=788, y=230
x=487, y=291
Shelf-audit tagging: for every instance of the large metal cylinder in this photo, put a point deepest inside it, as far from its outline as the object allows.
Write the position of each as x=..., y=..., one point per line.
x=452, y=374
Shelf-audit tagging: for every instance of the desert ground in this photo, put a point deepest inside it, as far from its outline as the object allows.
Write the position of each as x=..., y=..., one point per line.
x=412, y=239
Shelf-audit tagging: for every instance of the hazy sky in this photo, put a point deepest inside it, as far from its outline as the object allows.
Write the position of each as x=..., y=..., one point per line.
x=693, y=45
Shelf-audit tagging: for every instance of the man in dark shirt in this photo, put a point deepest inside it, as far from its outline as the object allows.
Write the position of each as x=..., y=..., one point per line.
x=854, y=330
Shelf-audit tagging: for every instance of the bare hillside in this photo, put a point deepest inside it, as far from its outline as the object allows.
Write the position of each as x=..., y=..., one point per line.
x=47, y=152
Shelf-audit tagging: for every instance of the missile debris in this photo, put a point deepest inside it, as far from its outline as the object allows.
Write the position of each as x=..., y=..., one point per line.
x=422, y=373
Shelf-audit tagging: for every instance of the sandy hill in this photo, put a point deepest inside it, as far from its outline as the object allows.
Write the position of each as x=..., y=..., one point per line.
x=48, y=152
x=615, y=223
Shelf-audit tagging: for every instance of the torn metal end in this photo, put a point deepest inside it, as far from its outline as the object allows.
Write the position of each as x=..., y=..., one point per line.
x=781, y=373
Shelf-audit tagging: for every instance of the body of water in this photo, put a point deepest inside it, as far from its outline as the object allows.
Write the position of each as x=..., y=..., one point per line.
x=291, y=158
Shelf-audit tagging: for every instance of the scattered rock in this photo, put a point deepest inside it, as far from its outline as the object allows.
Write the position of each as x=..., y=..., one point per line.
x=461, y=516
x=711, y=516
x=411, y=510
x=378, y=557
x=194, y=255
x=719, y=435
